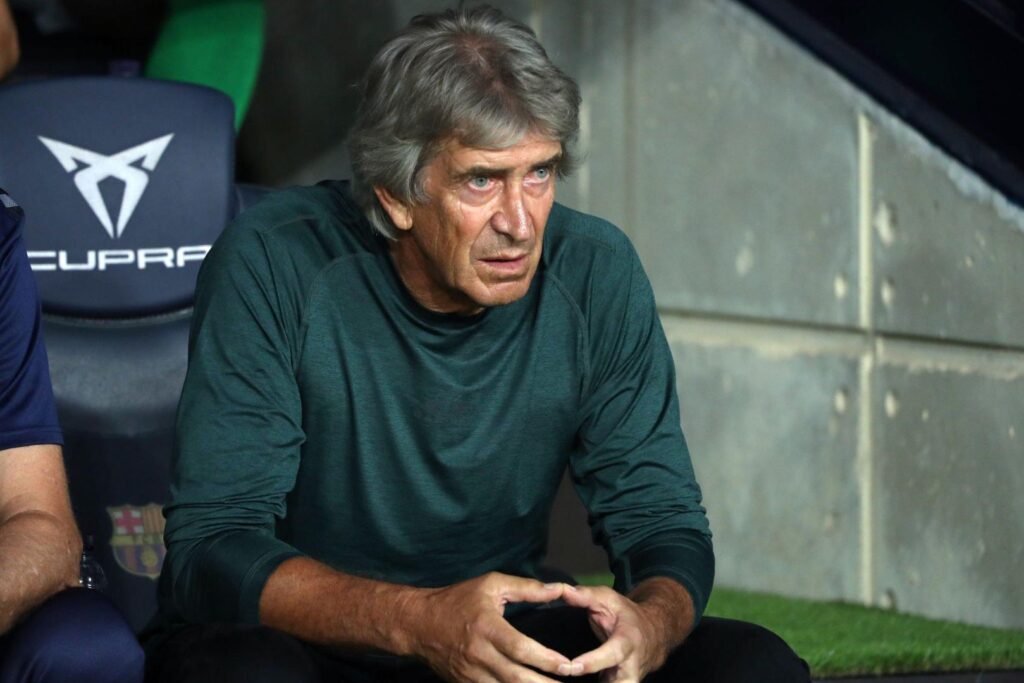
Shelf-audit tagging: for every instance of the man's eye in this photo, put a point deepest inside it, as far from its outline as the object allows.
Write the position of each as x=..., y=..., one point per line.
x=480, y=182
x=540, y=175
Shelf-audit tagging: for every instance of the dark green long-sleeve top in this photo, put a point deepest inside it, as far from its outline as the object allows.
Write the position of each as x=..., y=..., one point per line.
x=326, y=413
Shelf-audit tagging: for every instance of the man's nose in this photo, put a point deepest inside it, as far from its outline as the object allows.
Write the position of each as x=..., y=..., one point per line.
x=512, y=218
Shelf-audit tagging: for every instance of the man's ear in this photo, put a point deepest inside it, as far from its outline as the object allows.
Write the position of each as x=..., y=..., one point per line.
x=399, y=213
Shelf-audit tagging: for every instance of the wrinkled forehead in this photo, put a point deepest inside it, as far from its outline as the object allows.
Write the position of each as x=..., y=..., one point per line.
x=525, y=152
x=530, y=148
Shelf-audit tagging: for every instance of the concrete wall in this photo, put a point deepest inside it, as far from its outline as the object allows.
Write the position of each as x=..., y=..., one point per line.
x=843, y=299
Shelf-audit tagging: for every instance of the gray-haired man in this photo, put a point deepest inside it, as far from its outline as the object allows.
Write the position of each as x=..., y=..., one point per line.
x=385, y=385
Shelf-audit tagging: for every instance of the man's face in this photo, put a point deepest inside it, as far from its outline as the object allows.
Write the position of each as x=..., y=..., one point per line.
x=477, y=241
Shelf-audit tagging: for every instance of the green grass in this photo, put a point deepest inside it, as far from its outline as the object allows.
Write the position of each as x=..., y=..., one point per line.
x=840, y=639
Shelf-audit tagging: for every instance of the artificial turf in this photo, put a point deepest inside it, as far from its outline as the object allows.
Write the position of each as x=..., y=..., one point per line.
x=839, y=639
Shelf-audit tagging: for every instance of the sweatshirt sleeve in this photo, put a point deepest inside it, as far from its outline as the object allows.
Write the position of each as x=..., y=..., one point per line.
x=633, y=469
x=238, y=436
x=28, y=415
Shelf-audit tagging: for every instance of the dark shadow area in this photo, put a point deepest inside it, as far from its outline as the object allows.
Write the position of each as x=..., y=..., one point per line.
x=306, y=95
x=950, y=68
x=86, y=37
x=569, y=546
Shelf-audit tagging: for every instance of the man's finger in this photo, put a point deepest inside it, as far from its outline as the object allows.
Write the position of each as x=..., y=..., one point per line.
x=505, y=669
x=518, y=589
x=522, y=649
x=613, y=652
x=599, y=603
x=515, y=672
x=584, y=596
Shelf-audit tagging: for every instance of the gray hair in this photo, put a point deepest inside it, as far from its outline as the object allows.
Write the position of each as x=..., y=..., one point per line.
x=475, y=76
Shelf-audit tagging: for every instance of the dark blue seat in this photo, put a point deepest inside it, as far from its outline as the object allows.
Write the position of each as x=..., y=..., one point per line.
x=125, y=182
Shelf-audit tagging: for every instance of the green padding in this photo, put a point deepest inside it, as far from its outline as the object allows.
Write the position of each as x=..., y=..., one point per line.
x=840, y=639
x=216, y=43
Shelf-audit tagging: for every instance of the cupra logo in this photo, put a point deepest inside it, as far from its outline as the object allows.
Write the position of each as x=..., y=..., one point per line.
x=98, y=167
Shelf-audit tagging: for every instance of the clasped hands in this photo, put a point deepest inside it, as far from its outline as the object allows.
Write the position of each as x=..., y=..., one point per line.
x=485, y=647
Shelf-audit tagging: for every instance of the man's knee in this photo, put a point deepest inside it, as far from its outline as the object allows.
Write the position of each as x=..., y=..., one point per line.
x=77, y=635
x=737, y=652
x=761, y=655
x=228, y=653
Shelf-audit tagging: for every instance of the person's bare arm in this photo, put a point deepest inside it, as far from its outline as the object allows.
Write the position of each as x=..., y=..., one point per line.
x=10, y=51
x=39, y=542
x=458, y=630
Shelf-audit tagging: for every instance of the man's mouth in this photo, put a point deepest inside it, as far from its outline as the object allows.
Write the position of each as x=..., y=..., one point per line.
x=508, y=263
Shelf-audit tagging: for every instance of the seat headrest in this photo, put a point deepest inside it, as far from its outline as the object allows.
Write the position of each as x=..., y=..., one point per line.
x=125, y=183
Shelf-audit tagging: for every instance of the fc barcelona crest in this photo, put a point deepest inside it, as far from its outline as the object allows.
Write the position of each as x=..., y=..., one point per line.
x=138, y=540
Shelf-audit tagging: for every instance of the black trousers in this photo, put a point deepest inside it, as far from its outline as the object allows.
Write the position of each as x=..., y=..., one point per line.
x=77, y=636
x=718, y=650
